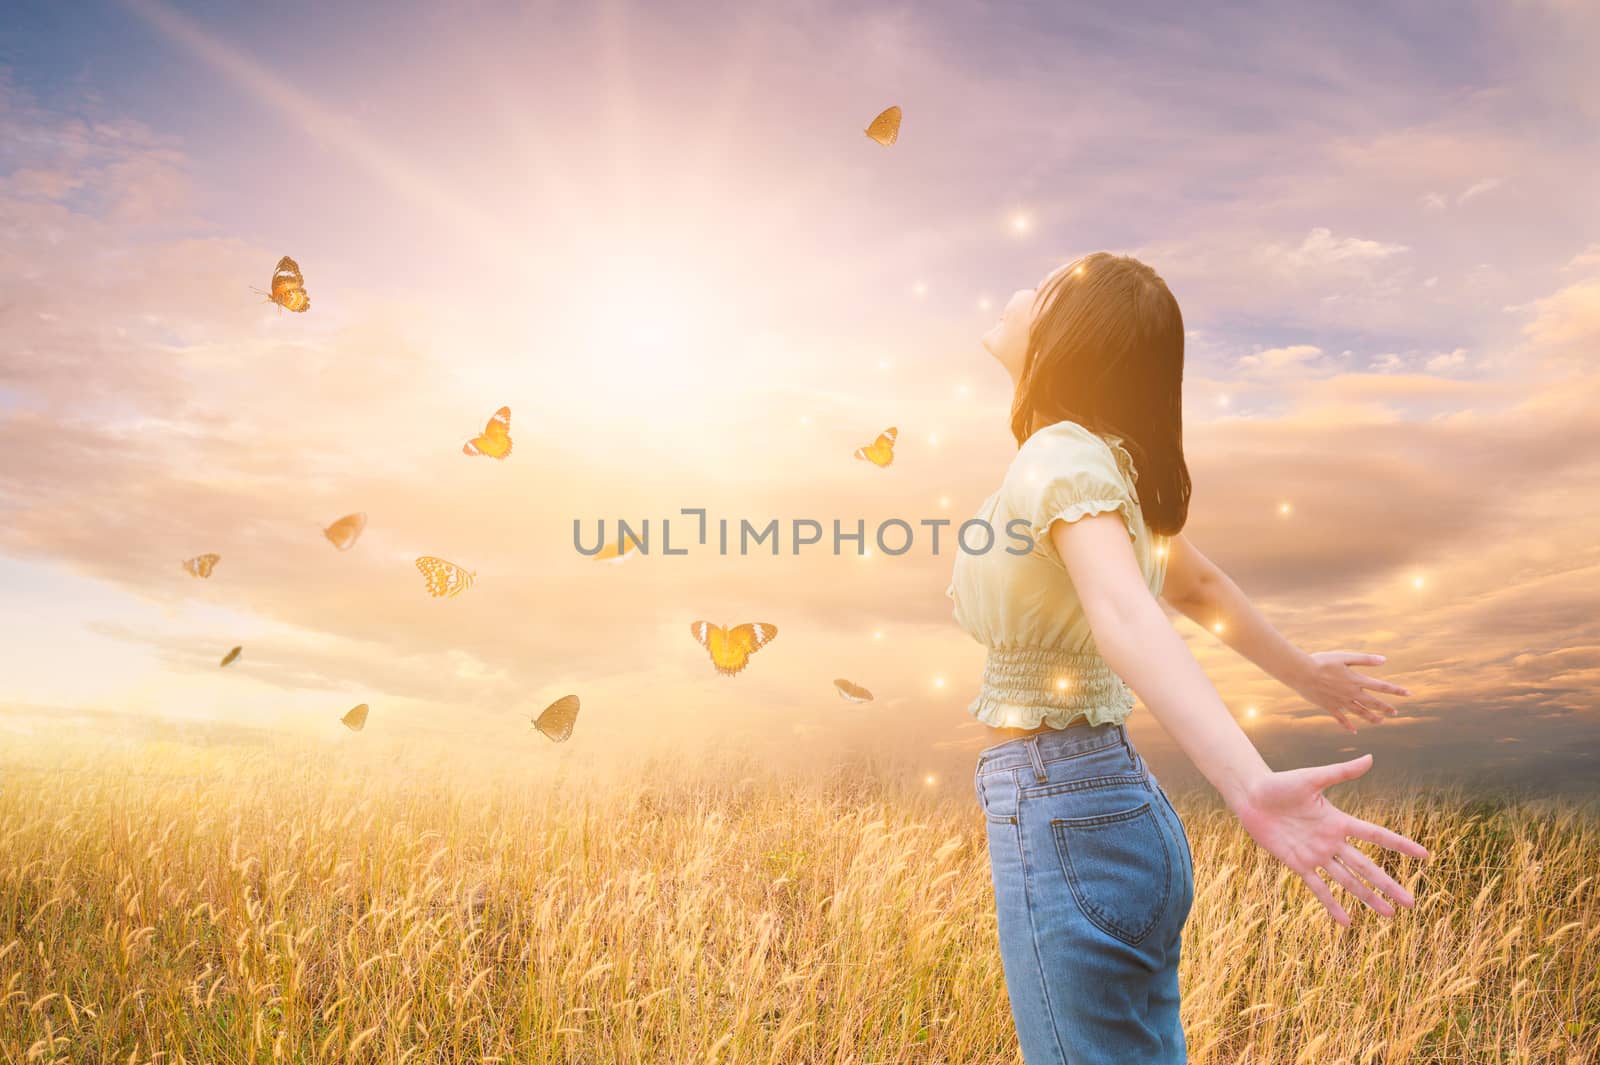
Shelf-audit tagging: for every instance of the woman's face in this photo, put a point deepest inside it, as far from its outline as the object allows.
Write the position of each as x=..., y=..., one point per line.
x=1007, y=339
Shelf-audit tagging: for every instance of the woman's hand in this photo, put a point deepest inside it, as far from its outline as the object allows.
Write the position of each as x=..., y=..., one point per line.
x=1287, y=814
x=1330, y=683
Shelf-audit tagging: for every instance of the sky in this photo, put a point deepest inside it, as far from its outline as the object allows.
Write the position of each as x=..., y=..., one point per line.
x=658, y=234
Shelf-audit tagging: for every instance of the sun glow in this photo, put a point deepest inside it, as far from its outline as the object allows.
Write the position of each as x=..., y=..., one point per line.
x=639, y=308
x=639, y=332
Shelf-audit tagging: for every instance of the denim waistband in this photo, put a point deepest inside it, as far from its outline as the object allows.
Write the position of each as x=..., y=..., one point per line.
x=1052, y=744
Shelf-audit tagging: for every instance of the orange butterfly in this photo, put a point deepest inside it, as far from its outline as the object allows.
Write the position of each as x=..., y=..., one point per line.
x=496, y=439
x=885, y=129
x=444, y=578
x=854, y=693
x=881, y=451
x=231, y=655
x=356, y=718
x=200, y=565
x=344, y=532
x=288, y=286
x=731, y=648
x=557, y=719
x=614, y=553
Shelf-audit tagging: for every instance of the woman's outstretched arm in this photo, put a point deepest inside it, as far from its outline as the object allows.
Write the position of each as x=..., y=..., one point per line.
x=1197, y=588
x=1285, y=812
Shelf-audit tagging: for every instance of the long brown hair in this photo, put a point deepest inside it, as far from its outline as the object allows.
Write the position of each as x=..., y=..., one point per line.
x=1106, y=351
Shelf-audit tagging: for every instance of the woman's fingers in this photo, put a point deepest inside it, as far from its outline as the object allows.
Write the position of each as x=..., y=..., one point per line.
x=1371, y=713
x=1324, y=776
x=1384, y=838
x=1325, y=896
x=1375, y=712
x=1343, y=720
x=1379, y=685
x=1370, y=871
x=1357, y=887
x=1351, y=659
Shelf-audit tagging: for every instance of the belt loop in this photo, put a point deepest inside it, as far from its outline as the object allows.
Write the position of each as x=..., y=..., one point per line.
x=1122, y=734
x=1032, y=743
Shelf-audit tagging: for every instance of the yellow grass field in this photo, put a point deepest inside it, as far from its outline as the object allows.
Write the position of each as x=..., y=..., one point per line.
x=162, y=902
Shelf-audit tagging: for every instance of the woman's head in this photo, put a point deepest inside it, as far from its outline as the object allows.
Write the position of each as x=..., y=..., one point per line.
x=1100, y=342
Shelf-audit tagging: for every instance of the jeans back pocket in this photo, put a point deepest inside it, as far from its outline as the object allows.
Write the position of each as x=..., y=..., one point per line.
x=1120, y=868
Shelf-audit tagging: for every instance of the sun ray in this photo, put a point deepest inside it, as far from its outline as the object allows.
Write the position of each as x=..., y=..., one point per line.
x=611, y=24
x=721, y=125
x=317, y=122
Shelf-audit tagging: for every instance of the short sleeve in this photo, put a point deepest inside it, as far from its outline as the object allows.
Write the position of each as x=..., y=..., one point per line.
x=1065, y=471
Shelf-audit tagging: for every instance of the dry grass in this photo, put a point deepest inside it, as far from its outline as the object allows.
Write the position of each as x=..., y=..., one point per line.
x=170, y=903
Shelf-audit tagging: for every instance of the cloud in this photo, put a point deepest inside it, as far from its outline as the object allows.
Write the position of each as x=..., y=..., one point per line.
x=119, y=169
x=151, y=407
x=1434, y=201
x=1279, y=361
x=1321, y=249
x=1566, y=324
x=1478, y=188
x=1586, y=259
x=41, y=184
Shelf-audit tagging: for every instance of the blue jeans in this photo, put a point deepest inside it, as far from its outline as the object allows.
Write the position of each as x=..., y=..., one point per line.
x=1093, y=880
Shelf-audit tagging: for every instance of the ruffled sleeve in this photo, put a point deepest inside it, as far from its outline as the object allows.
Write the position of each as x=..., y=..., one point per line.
x=1065, y=471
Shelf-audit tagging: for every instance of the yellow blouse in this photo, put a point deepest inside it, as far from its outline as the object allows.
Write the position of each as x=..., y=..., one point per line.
x=1043, y=667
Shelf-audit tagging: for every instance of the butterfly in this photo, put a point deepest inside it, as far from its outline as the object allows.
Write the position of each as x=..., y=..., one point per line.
x=288, y=286
x=731, y=648
x=355, y=718
x=444, y=578
x=881, y=451
x=200, y=565
x=344, y=532
x=885, y=129
x=615, y=554
x=231, y=655
x=496, y=439
x=557, y=719
x=854, y=693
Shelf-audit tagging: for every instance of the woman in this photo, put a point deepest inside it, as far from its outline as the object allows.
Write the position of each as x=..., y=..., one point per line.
x=1093, y=875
